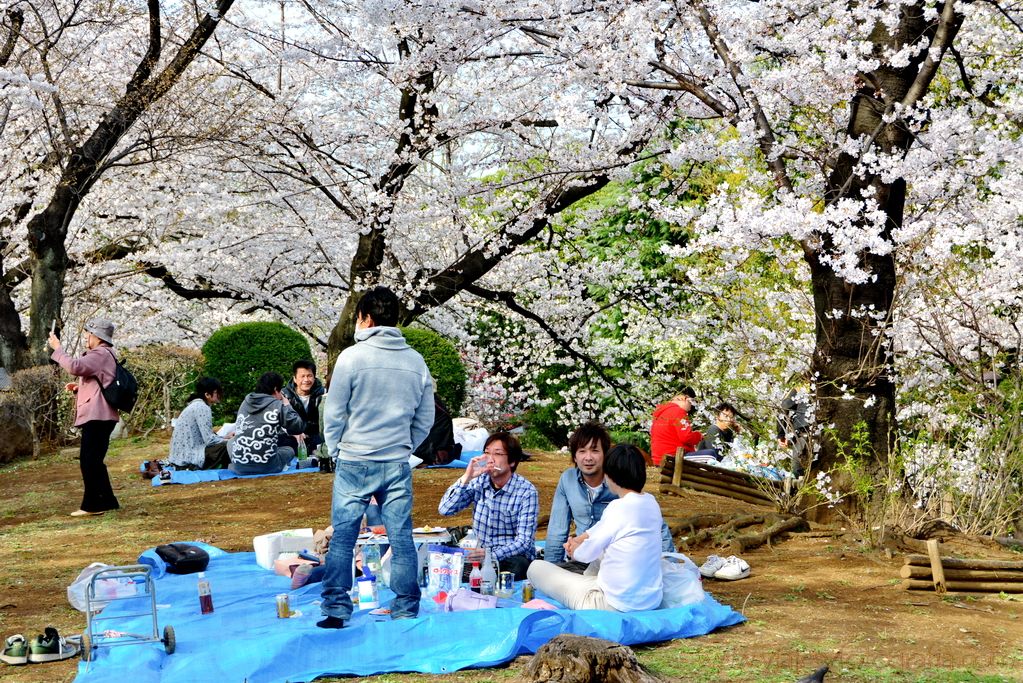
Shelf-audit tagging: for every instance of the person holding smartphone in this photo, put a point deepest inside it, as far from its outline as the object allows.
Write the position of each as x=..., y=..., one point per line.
x=96, y=418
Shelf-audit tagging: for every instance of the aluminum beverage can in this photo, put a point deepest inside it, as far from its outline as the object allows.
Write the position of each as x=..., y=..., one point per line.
x=283, y=606
x=527, y=591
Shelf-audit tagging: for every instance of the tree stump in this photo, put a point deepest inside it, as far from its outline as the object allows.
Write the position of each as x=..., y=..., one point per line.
x=579, y=659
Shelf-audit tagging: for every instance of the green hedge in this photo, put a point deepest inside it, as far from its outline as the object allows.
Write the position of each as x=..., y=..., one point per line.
x=238, y=354
x=445, y=365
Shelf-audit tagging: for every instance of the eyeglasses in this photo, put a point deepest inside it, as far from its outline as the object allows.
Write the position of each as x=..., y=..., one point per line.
x=494, y=453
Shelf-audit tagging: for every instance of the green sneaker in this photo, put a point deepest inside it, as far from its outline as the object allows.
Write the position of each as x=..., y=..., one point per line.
x=16, y=652
x=51, y=647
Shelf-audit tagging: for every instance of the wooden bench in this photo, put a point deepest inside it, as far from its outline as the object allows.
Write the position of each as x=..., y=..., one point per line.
x=719, y=481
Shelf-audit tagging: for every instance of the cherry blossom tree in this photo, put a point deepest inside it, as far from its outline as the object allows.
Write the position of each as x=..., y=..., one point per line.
x=823, y=177
x=64, y=126
x=834, y=112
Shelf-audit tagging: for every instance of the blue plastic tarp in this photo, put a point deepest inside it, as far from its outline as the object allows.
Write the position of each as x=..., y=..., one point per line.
x=198, y=476
x=244, y=640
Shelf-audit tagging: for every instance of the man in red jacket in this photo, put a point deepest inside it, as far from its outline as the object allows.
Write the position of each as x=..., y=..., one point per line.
x=671, y=428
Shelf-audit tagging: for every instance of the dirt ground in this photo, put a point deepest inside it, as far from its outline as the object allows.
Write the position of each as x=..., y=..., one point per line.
x=809, y=600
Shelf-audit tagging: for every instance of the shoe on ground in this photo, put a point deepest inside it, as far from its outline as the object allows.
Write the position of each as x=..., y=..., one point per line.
x=711, y=566
x=733, y=569
x=15, y=650
x=51, y=647
x=85, y=513
x=331, y=622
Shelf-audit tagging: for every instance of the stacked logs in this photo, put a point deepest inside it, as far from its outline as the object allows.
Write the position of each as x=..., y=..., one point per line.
x=962, y=575
x=718, y=480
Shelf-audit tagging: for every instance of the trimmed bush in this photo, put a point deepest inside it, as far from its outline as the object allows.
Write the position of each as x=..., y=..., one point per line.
x=40, y=390
x=641, y=439
x=238, y=354
x=166, y=375
x=445, y=365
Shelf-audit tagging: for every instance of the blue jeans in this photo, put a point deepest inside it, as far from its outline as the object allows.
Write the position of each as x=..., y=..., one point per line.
x=354, y=484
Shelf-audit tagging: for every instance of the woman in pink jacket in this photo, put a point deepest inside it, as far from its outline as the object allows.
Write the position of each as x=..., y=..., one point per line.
x=96, y=369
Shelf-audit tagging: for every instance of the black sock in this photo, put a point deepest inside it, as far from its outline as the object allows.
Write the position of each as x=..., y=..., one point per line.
x=331, y=622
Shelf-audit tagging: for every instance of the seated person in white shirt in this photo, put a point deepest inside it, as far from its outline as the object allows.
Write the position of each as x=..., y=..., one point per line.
x=626, y=540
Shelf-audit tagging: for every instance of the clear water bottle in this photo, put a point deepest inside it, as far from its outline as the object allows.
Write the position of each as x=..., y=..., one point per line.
x=205, y=594
x=371, y=560
x=489, y=573
x=423, y=553
x=469, y=541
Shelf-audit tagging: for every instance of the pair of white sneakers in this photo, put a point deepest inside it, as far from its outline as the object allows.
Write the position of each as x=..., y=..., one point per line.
x=729, y=568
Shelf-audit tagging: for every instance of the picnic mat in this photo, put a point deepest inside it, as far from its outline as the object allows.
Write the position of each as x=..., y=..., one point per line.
x=197, y=476
x=244, y=640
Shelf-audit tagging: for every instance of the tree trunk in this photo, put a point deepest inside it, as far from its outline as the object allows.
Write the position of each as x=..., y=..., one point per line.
x=852, y=360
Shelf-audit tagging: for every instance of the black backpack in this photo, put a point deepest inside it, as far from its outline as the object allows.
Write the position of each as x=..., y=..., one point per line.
x=183, y=558
x=123, y=391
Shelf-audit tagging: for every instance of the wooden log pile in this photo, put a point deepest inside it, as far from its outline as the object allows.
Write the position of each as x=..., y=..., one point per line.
x=932, y=572
x=719, y=481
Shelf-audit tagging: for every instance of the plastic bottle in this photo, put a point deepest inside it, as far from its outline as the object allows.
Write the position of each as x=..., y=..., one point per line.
x=489, y=574
x=469, y=541
x=476, y=578
x=205, y=594
x=302, y=452
x=371, y=560
x=423, y=574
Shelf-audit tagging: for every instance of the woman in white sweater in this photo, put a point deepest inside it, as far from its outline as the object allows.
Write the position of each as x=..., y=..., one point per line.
x=194, y=444
x=626, y=540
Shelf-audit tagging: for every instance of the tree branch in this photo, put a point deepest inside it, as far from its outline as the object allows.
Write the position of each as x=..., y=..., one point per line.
x=767, y=139
x=509, y=301
x=948, y=27
x=17, y=19
x=162, y=274
x=152, y=56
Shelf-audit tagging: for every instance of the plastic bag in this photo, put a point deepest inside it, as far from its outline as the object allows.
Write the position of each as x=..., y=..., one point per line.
x=683, y=584
x=471, y=438
x=464, y=600
x=445, y=566
x=106, y=588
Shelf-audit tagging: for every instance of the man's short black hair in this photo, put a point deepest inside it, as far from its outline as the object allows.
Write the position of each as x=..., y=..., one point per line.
x=587, y=433
x=303, y=365
x=723, y=406
x=511, y=446
x=206, y=385
x=380, y=304
x=687, y=391
x=269, y=383
x=625, y=466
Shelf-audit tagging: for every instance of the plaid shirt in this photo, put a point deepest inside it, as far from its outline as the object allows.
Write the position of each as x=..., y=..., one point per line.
x=504, y=519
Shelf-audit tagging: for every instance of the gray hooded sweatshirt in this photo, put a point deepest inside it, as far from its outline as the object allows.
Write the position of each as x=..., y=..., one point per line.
x=261, y=418
x=380, y=404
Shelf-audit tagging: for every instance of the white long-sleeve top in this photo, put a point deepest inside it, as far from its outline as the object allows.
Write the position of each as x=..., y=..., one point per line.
x=628, y=540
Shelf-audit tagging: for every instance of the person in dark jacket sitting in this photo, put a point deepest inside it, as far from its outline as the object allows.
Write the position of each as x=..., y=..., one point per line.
x=263, y=415
x=722, y=433
x=304, y=392
x=440, y=447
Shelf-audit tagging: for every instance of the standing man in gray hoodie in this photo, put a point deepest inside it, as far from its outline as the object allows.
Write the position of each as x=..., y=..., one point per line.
x=379, y=408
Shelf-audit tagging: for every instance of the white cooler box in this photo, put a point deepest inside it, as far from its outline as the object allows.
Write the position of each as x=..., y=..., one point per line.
x=269, y=546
